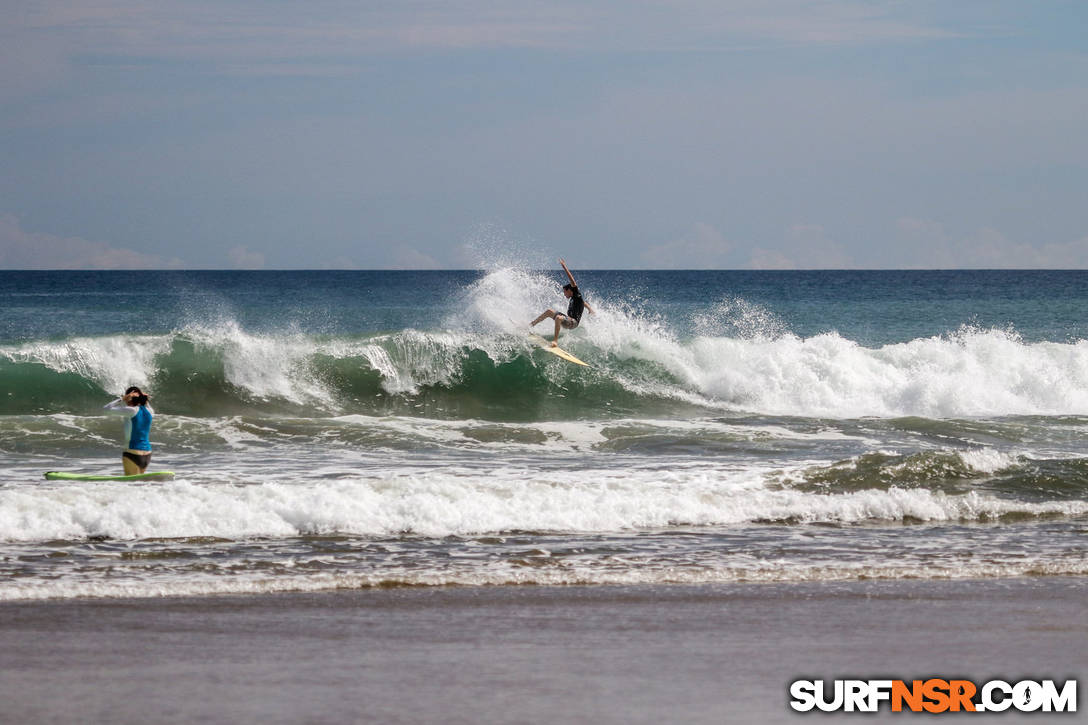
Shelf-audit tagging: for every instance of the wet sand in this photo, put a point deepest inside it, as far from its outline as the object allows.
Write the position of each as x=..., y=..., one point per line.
x=661, y=654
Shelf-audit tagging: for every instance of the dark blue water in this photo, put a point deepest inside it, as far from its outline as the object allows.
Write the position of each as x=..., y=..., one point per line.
x=870, y=307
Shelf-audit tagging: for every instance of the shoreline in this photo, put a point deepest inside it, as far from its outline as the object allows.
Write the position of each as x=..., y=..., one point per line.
x=601, y=654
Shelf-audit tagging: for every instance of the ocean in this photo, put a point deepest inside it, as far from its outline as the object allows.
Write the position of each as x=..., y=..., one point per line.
x=351, y=430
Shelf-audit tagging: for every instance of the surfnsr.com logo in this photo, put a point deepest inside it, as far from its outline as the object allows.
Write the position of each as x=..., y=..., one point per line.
x=933, y=696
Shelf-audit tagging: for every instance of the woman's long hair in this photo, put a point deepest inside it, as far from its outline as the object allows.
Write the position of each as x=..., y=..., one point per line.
x=140, y=399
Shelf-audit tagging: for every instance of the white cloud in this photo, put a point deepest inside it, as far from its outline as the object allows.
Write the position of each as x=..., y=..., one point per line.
x=703, y=247
x=770, y=259
x=20, y=249
x=1071, y=255
x=243, y=257
x=341, y=262
x=931, y=245
x=413, y=259
x=805, y=246
x=244, y=37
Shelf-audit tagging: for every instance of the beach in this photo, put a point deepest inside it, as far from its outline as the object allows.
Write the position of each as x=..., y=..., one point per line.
x=596, y=654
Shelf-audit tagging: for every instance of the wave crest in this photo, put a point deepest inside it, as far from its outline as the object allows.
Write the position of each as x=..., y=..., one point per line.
x=497, y=373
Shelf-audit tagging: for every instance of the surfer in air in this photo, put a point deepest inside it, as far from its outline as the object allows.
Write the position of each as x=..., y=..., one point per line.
x=570, y=320
x=134, y=405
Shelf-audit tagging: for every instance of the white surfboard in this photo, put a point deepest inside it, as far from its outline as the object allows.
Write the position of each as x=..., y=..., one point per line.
x=557, y=351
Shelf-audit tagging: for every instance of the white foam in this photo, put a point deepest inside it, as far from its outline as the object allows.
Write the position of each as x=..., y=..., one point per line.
x=743, y=357
x=113, y=362
x=411, y=359
x=973, y=373
x=265, y=365
x=741, y=360
x=507, y=300
x=576, y=434
x=737, y=317
x=988, y=460
x=229, y=430
x=279, y=365
x=461, y=501
x=500, y=573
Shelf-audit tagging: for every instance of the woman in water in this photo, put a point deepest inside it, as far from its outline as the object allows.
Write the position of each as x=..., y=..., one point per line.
x=133, y=404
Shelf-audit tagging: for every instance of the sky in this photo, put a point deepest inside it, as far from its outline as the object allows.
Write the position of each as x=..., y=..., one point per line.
x=733, y=134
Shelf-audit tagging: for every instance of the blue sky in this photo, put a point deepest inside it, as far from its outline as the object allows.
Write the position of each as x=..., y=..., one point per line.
x=687, y=134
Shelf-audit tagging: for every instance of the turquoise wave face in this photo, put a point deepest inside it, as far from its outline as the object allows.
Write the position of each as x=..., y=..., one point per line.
x=499, y=374
x=500, y=377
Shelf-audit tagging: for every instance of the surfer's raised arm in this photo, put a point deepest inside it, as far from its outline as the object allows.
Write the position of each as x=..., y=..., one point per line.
x=574, y=284
x=117, y=406
x=567, y=270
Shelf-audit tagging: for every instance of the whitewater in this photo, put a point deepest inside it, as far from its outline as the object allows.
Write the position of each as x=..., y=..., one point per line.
x=351, y=430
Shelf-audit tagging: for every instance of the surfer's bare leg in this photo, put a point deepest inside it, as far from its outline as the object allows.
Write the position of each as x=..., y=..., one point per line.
x=131, y=469
x=558, y=325
x=545, y=313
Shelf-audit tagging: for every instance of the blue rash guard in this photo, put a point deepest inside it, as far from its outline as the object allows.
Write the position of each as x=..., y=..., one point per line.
x=137, y=424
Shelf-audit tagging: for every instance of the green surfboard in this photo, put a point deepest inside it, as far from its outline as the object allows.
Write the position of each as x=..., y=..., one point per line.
x=64, y=476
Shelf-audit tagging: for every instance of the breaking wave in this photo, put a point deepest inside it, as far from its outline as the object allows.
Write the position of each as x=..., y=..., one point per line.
x=498, y=374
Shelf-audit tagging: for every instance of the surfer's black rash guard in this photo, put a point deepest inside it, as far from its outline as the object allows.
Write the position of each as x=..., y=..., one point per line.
x=577, y=305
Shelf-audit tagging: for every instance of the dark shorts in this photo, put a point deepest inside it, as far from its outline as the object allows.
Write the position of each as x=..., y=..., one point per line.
x=140, y=460
x=567, y=323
